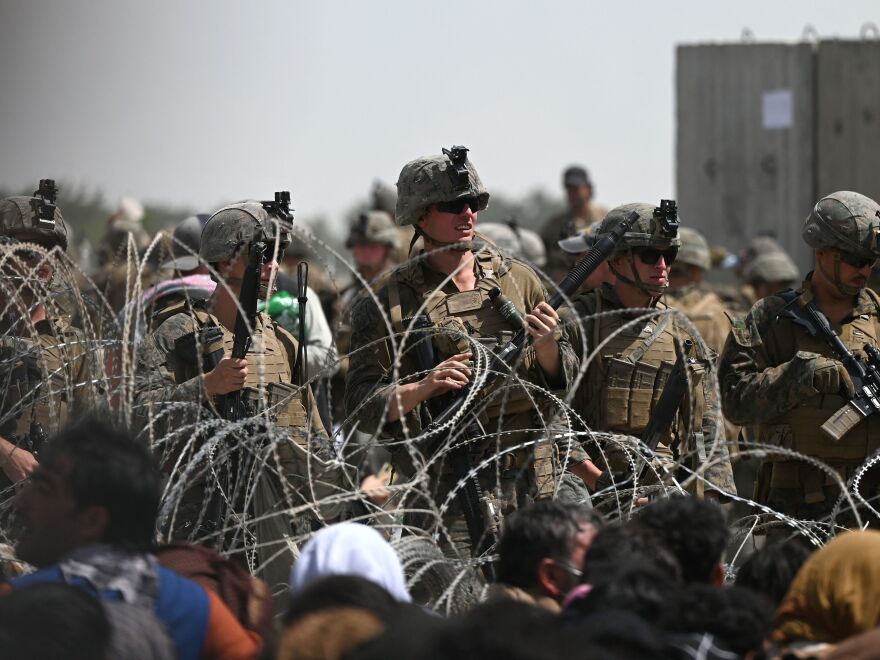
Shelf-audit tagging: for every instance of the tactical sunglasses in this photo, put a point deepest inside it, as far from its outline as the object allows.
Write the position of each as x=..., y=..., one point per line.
x=650, y=256
x=457, y=205
x=857, y=262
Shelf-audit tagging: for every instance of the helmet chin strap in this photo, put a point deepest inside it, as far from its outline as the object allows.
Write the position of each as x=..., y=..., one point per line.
x=453, y=245
x=653, y=290
x=844, y=289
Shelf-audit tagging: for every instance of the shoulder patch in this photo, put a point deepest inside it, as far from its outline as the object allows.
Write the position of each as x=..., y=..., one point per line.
x=744, y=331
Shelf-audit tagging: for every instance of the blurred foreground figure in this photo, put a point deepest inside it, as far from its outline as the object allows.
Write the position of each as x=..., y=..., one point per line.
x=46, y=368
x=784, y=371
x=87, y=519
x=248, y=458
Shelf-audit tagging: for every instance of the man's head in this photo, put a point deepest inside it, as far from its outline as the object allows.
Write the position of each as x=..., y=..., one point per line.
x=230, y=233
x=94, y=484
x=644, y=255
x=373, y=238
x=771, y=272
x=695, y=530
x=844, y=230
x=441, y=196
x=542, y=547
x=578, y=188
x=693, y=259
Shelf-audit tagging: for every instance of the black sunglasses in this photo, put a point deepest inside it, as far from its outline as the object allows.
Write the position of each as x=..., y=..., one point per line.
x=650, y=256
x=856, y=262
x=457, y=205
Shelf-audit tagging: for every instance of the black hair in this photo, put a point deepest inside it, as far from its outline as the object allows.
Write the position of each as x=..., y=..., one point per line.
x=53, y=620
x=739, y=619
x=545, y=529
x=612, y=635
x=502, y=630
x=110, y=468
x=629, y=542
x=694, y=529
x=770, y=570
x=343, y=591
x=626, y=585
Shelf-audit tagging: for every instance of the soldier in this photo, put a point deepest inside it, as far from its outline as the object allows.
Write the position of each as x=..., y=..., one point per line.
x=688, y=294
x=581, y=213
x=449, y=283
x=48, y=371
x=515, y=241
x=282, y=438
x=770, y=272
x=775, y=374
x=635, y=355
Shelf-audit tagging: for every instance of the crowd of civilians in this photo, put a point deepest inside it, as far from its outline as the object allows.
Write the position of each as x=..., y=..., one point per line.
x=86, y=580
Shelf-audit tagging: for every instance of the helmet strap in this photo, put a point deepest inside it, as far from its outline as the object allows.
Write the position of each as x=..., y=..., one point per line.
x=844, y=289
x=652, y=290
x=454, y=246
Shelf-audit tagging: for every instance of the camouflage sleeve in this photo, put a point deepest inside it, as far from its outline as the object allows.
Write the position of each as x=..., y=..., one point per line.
x=715, y=456
x=155, y=382
x=369, y=385
x=754, y=390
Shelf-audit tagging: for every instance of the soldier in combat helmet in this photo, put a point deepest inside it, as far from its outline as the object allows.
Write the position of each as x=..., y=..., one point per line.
x=297, y=459
x=636, y=352
x=449, y=283
x=47, y=369
x=786, y=382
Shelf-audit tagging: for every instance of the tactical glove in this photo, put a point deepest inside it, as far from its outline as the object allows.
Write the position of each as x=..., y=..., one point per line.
x=831, y=377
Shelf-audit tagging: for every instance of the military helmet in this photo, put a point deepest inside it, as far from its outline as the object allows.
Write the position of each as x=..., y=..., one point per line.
x=503, y=237
x=443, y=178
x=694, y=249
x=771, y=267
x=533, y=249
x=32, y=218
x=656, y=226
x=845, y=221
x=373, y=227
x=236, y=226
x=384, y=197
x=185, y=244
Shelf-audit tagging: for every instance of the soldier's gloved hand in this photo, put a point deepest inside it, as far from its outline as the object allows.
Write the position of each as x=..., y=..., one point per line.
x=228, y=376
x=831, y=377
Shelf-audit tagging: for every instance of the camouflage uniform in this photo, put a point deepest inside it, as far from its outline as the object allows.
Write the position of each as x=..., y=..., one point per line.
x=48, y=370
x=459, y=318
x=287, y=444
x=695, y=300
x=771, y=372
x=626, y=377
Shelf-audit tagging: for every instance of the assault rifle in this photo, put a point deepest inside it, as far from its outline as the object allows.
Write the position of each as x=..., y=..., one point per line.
x=865, y=374
x=673, y=394
x=476, y=507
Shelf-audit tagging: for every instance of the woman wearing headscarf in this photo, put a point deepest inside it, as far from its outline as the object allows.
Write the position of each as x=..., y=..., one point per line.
x=835, y=595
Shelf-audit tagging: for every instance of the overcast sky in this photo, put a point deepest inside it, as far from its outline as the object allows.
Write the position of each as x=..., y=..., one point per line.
x=198, y=102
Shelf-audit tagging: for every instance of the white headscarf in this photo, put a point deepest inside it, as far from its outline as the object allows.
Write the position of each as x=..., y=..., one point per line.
x=350, y=549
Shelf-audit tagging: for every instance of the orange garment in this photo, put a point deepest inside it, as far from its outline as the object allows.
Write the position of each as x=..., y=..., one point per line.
x=226, y=638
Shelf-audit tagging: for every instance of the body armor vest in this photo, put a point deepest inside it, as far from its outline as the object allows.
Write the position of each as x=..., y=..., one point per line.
x=44, y=374
x=269, y=380
x=468, y=316
x=798, y=429
x=628, y=375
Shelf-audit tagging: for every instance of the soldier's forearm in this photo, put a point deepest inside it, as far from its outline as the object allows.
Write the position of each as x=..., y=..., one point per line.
x=757, y=398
